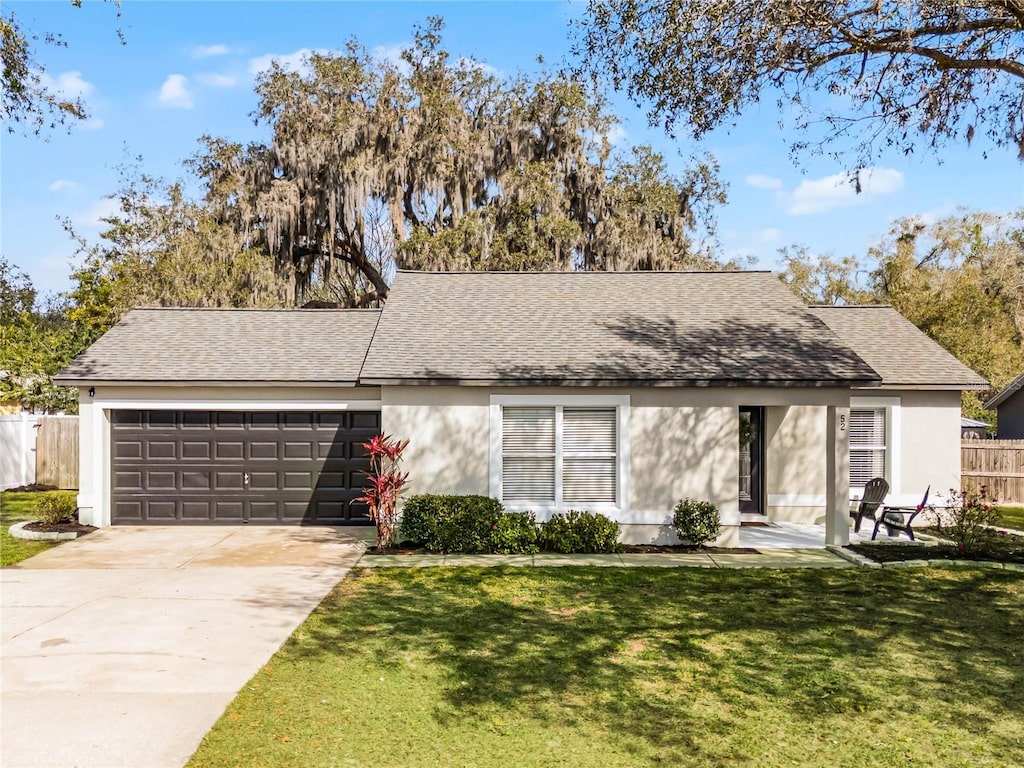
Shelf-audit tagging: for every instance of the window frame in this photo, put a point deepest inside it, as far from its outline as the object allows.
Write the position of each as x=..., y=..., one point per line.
x=621, y=403
x=891, y=406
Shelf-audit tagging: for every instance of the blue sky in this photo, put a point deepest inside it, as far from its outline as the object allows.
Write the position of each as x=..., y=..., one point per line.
x=187, y=69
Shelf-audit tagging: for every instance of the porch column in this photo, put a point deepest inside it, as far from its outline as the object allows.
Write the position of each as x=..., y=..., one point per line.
x=837, y=462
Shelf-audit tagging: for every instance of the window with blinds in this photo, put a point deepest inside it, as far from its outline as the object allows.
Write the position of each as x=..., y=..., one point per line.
x=867, y=445
x=559, y=455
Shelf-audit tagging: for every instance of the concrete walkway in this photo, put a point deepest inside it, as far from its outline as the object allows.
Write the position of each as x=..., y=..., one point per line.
x=121, y=649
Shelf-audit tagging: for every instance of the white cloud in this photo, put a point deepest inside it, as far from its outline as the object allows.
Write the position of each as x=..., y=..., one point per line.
x=216, y=80
x=616, y=135
x=838, y=191
x=174, y=93
x=93, y=215
x=293, y=62
x=206, y=51
x=392, y=54
x=769, y=235
x=60, y=184
x=760, y=181
x=69, y=84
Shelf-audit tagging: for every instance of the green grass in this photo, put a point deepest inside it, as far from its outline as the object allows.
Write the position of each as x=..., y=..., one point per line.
x=14, y=508
x=580, y=666
x=1012, y=517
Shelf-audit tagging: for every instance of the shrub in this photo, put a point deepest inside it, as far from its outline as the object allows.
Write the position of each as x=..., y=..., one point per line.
x=966, y=519
x=452, y=523
x=515, y=534
x=579, y=532
x=385, y=486
x=697, y=522
x=57, y=507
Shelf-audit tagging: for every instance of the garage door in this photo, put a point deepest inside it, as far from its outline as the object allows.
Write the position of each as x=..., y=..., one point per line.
x=239, y=467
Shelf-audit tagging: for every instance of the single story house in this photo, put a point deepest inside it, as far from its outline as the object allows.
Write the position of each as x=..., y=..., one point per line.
x=1008, y=404
x=613, y=392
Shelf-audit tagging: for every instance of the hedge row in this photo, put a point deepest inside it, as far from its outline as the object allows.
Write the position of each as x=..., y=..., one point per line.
x=480, y=525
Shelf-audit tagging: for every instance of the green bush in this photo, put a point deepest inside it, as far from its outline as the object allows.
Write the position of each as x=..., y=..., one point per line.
x=57, y=507
x=516, y=534
x=451, y=523
x=697, y=522
x=579, y=532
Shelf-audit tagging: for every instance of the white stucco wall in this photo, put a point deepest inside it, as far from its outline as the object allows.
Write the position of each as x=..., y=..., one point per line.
x=682, y=443
x=929, y=450
x=94, y=421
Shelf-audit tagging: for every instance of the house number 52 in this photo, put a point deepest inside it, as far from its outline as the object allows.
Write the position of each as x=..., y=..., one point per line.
x=842, y=423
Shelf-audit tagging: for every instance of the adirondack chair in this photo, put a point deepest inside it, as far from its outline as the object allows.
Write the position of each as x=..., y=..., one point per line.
x=874, y=494
x=895, y=518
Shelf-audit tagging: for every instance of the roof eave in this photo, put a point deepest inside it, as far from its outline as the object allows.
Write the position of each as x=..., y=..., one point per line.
x=601, y=382
x=96, y=382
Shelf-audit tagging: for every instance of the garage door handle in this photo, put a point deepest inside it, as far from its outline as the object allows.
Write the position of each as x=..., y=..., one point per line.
x=245, y=478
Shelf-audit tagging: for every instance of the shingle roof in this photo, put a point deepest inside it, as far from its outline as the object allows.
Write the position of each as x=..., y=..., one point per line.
x=896, y=348
x=722, y=328
x=1002, y=395
x=228, y=345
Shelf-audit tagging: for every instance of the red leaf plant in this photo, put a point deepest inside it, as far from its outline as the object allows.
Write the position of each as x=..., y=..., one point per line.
x=385, y=486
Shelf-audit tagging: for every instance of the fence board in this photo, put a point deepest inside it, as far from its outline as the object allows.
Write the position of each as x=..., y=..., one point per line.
x=57, y=451
x=998, y=464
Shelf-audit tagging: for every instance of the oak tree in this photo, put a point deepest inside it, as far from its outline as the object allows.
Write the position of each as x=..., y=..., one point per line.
x=881, y=73
x=437, y=162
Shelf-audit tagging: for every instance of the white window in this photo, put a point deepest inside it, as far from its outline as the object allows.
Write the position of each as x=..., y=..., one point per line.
x=568, y=452
x=869, y=445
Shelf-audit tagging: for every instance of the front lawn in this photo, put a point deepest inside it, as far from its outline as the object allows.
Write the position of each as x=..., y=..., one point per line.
x=610, y=667
x=1012, y=517
x=14, y=508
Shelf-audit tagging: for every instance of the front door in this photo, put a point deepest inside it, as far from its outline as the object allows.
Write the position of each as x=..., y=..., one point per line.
x=751, y=448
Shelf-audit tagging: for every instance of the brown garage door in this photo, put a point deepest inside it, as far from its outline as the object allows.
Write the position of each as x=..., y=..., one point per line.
x=239, y=467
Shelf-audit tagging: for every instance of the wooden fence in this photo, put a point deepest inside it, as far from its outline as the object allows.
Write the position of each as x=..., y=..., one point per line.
x=998, y=464
x=57, y=451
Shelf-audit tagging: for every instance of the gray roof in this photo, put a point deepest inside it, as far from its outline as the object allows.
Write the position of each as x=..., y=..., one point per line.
x=966, y=423
x=1004, y=394
x=695, y=328
x=896, y=348
x=228, y=345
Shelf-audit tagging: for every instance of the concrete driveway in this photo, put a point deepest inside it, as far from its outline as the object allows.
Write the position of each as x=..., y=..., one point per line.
x=121, y=649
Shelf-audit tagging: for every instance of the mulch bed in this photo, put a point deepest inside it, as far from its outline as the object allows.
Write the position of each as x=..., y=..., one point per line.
x=75, y=527
x=1003, y=548
x=33, y=488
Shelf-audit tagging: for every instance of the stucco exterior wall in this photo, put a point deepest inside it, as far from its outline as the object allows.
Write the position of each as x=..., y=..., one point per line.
x=929, y=450
x=795, y=468
x=682, y=442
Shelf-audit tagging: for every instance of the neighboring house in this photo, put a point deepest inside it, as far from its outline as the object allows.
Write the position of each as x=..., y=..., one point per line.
x=614, y=392
x=1009, y=407
x=972, y=429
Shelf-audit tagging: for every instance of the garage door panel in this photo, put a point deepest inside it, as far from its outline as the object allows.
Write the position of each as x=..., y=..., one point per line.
x=195, y=511
x=228, y=481
x=193, y=449
x=160, y=481
x=263, y=481
x=263, y=450
x=223, y=450
x=161, y=449
x=191, y=467
x=129, y=449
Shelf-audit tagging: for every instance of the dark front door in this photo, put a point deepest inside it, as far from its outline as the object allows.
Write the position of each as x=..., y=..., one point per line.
x=171, y=467
x=751, y=448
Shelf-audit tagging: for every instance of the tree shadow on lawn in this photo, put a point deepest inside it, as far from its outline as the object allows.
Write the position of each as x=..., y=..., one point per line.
x=642, y=651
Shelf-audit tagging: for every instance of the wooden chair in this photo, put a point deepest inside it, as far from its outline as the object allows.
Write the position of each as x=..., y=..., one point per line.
x=874, y=494
x=893, y=518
